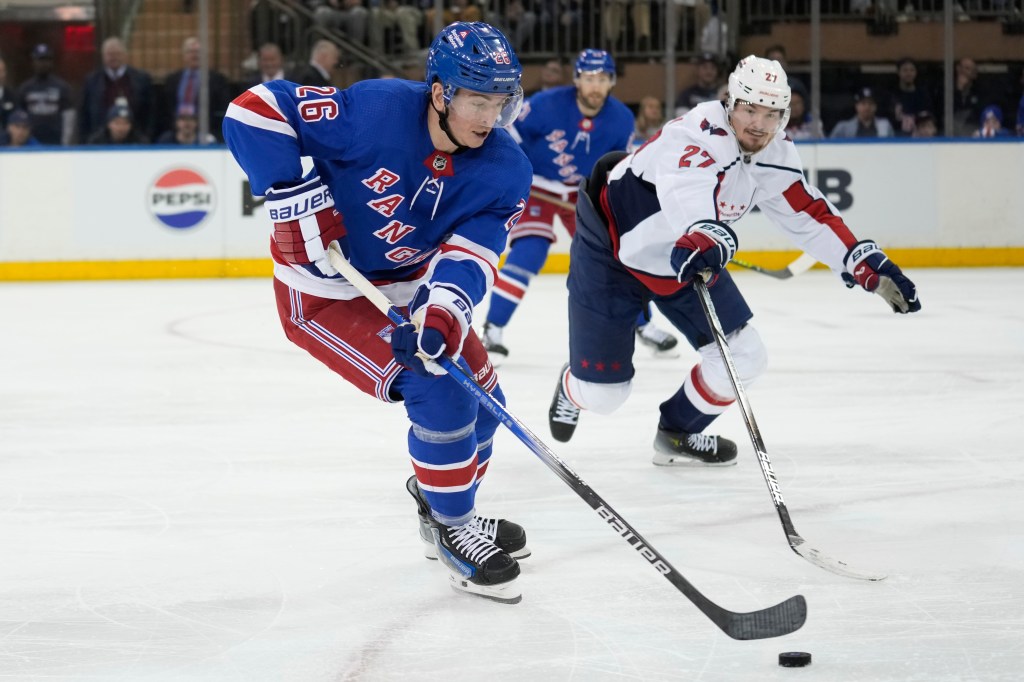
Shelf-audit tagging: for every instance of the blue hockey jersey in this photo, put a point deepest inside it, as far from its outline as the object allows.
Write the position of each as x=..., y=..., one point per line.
x=562, y=144
x=407, y=207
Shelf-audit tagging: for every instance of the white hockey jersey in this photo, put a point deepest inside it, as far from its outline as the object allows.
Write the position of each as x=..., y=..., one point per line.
x=693, y=171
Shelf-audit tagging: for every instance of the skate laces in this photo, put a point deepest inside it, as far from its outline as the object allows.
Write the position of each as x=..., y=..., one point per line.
x=470, y=540
x=565, y=411
x=488, y=527
x=702, y=441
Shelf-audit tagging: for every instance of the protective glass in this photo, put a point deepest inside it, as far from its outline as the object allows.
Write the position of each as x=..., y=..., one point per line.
x=491, y=111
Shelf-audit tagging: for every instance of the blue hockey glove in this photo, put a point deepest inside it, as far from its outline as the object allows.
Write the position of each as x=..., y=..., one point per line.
x=868, y=266
x=440, y=321
x=707, y=245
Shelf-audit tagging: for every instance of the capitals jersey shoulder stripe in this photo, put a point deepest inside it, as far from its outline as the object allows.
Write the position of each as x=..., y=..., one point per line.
x=817, y=208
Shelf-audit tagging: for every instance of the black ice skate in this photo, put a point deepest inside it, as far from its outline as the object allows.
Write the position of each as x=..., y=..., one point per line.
x=475, y=564
x=673, y=448
x=563, y=415
x=507, y=536
x=492, y=340
x=660, y=342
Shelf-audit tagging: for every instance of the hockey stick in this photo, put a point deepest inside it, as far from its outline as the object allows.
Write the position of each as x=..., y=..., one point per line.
x=554, y=201
x=774, y=621
x=797, y=543
x=798, y=267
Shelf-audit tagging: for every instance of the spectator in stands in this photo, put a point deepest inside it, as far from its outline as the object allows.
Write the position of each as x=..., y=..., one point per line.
x=967, y=102
x=119, y=129
x=1020, y=108
x=517, y=19
x=991, y=123
x=925, y=125
x=552, y=74
x=182, y=87
x=348, y=16
x=7, y=104
x=800, y=126
x=269, y=64
x=401, y=15
x=615, y=23
x=455, y=10
x=47, y=99
x=18, y=131
x=115, y=82
x=649, y=118
x=705, y=89
x=910, y=98
x=186, y=129
x=273, y=22
x=866, y=122
x=778, y=53
x=323, y=60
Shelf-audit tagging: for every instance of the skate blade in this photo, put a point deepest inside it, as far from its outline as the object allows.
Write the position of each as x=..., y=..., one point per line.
x=679, y=460
x=497, y=359
x=505, y=593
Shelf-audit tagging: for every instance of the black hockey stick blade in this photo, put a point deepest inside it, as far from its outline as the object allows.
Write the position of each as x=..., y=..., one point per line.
x=821, y=560
x=775, y=621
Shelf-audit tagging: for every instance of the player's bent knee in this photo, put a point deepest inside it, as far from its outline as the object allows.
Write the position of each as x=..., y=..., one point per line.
x=599, y=398
x=748, y=354
x=437, y=402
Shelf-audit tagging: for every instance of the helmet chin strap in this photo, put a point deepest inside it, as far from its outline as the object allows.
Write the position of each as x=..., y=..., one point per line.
x=442, y=118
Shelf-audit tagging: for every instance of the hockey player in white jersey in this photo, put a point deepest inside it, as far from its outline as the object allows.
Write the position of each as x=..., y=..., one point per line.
x=651, y=221
x=419, y=185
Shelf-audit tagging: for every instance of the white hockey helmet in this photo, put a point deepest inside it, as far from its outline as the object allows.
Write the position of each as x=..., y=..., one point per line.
x=760, y=81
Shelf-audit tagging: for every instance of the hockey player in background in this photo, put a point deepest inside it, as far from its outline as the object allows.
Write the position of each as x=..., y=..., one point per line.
x=564, y=131
x=649, y=222
x=419, y=185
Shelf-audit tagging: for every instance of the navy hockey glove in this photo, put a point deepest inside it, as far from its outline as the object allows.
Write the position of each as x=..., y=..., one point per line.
x=440, y=321
x=868, y=266
x=706, y=245
x=305, y=222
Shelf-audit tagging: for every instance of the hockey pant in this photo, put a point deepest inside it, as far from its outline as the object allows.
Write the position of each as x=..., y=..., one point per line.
x=604, y=301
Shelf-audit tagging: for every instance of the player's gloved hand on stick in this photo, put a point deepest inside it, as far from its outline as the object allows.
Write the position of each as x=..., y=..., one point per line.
x=441, y=320
x=706, y=245
x=305, y=222
x=868, y=266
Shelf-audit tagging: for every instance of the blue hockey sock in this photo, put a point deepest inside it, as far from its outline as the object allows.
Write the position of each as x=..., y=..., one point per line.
x=524, y=260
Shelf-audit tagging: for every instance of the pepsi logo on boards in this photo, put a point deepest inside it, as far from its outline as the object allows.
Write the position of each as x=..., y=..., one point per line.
x=181, y=198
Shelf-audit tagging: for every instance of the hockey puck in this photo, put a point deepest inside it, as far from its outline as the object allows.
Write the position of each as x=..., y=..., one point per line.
x=794, y=659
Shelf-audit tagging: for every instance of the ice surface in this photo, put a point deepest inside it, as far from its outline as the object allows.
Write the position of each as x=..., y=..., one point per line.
x=186, y=496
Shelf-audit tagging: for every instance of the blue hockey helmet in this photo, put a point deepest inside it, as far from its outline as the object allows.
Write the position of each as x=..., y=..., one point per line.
x=594, y=61
x=475, y=56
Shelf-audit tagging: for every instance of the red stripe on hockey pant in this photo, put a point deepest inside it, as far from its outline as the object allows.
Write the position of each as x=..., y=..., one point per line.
x=706, y=393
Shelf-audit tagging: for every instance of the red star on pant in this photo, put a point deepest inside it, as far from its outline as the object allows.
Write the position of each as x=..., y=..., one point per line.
x=584, y=363
x=599, y=366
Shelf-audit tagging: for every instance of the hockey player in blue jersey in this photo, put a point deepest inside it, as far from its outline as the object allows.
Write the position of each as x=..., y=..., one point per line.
x=651, y=221
x=563, y=131
x=419, y=185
